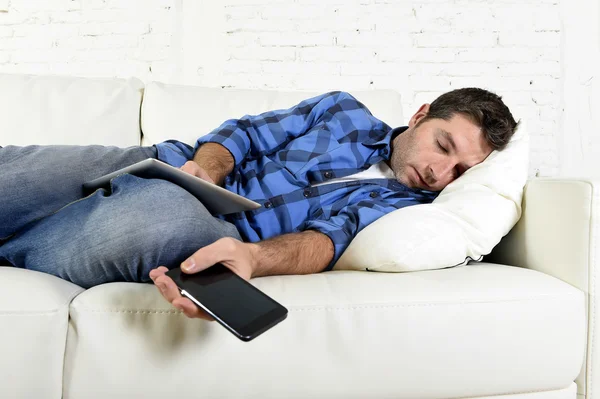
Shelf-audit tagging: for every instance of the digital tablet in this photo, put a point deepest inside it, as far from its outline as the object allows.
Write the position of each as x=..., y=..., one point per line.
x=216, y=199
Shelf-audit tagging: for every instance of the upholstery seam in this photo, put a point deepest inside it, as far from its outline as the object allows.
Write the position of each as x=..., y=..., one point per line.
x=500, y=395
x=591, y=294
x=340, y=307
x=65, y=305
x=27, y=313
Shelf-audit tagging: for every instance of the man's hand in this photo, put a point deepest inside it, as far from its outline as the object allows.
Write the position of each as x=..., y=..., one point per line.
x=232, y=253
x=295, y=253
x=194, y=169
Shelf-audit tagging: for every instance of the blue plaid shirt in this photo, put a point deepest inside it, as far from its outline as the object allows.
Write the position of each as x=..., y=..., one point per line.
x=280, y=154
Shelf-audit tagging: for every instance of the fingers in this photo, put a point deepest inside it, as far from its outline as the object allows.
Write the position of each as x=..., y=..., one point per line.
x=194, y=169
x=190, y=309
x=168, y=289
x=159, y=271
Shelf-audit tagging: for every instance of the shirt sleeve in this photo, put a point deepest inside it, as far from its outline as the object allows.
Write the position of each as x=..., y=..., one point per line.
x=349, y=221
x=268, y=132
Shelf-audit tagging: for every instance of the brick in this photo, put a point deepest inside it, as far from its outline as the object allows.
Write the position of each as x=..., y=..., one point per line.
x=533, y=39
x=372, y=39
x=6, y=31
x=260, y=25
x=94, y=4
x=239, y=39
x=48, y=56
x=54, y=31
x=65, y=17
x=77, y=42
x=234, y=66
x=296, y=12
x=336, y=53
x=108, y=15
x=483, y=39
x=97, y=29
x=300, y=68
x=463, y=69
x=546, y=68
x=148, y=54
x=242, y=12
x=117, y=41
x=335, y=25
x=309, y=39
x=417, y=54
x=507, y=54
x=154, y=40
x=368, y=68
x=264, y=53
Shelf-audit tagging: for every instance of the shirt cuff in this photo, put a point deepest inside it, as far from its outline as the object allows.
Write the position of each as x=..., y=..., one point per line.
x=340, y=238
x=237, y=145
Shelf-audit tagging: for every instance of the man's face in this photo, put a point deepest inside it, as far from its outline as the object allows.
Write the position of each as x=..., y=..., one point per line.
x=433, y=154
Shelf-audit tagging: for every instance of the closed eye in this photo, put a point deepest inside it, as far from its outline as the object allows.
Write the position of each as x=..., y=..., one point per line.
x=442, y=147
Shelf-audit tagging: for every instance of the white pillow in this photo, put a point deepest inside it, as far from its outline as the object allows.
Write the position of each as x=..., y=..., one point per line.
x=465, y=222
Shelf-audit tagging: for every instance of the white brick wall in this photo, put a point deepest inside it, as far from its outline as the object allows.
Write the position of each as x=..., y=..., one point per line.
x=421, y=48
x=88, y=37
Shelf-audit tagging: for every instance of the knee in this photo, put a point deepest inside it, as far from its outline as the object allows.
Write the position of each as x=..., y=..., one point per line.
x=166, y=223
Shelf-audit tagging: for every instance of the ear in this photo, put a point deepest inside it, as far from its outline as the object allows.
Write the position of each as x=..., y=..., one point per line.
x=423, y=110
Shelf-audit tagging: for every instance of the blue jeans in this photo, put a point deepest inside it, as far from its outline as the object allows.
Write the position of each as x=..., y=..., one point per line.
x=48, y=224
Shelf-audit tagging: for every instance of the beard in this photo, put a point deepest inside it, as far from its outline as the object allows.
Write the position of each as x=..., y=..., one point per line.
x=403, y=148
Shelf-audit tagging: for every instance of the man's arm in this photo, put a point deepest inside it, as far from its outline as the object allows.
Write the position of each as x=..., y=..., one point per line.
x=255, y=135
x=296, y=253
x=216, y=160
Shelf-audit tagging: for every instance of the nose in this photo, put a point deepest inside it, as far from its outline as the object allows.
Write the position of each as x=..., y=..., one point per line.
x=443, y=171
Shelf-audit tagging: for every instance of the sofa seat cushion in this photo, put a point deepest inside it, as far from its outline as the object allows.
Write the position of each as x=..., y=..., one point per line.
x=473, y=330
x=34, y=314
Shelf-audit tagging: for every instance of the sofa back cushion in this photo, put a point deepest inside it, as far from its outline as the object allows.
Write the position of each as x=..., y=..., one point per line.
x=186, y=113
x=69, y=110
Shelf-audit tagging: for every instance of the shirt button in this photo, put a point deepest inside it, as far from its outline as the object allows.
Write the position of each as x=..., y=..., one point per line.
x=268, y=205
x=307, y=192
x=373, y=194
x=327, y=175
x=384, y=151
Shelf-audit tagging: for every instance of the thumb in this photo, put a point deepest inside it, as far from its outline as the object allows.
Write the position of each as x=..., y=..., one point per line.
x=219, y=251
x=231, y=253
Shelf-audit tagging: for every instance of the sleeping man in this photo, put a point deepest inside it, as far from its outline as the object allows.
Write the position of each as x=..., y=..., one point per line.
x=322, y=171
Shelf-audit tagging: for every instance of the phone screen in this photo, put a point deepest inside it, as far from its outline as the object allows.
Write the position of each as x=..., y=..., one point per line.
x=238, y=304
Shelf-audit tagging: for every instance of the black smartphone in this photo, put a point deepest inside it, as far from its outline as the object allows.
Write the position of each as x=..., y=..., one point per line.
x=233, y=302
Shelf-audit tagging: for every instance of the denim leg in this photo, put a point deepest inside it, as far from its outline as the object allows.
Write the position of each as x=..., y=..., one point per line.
x=36, y=181
x=118, y=235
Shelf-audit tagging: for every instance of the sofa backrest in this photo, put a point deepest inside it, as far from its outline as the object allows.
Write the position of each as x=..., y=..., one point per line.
x=188, y=112
x=106, y=111
x=69, y=110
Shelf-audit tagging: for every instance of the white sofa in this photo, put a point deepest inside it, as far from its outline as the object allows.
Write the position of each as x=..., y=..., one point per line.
x=477, y=331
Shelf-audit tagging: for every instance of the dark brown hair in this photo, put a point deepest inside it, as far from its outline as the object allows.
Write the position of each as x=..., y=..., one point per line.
x=482, y=107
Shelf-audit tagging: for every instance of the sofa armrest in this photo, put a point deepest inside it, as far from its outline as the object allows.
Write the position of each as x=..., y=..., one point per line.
x=559, y=234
